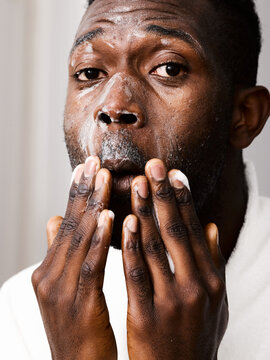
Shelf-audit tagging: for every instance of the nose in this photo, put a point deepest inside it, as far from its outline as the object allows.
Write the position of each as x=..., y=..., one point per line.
x=118, y=104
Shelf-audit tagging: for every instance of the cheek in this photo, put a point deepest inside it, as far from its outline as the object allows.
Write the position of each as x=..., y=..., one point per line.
x=180, y=121
x=79, y=125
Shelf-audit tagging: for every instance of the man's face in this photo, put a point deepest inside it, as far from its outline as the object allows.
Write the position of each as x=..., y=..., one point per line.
x=145, y=84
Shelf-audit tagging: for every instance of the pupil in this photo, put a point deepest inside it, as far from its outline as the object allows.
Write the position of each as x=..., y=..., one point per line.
x=92, y=73
x=173, y=69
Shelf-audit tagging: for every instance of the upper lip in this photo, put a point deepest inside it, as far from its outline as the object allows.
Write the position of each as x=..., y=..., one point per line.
x=120, y=166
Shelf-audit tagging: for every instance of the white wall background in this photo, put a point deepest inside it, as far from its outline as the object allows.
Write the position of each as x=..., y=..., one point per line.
x=35, y=38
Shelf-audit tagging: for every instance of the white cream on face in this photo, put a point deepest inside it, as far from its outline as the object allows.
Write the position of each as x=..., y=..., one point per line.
x=165, y=42
x=109, y=85
x=89, y=48
x=86, y=91
x=86, y=137
x=109, y=44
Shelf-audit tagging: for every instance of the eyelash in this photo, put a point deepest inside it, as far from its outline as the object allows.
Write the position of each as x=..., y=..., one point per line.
x=78, y=73
x=169, y=78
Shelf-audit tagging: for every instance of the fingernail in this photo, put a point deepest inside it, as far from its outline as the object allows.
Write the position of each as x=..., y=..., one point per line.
x=132, y=224
x=141, y=187
x=158, y=171
x=77, y=173
x=99, y=180
x=102, y=218
x=178, y=179
x=90, y=167
x=111, y=215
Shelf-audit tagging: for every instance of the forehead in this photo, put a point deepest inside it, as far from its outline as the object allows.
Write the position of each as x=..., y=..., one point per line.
x=129, y=17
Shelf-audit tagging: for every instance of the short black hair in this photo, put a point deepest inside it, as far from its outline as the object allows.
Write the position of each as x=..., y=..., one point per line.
x=237, y=32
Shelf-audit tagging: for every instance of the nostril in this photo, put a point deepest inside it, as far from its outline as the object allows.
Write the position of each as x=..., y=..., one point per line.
x=104, y=118
x=128, y=118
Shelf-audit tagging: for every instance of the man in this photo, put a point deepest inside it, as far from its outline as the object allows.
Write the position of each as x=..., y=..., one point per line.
x=155, y=87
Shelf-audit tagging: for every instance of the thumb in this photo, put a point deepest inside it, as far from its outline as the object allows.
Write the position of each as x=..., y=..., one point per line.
x=52, y=229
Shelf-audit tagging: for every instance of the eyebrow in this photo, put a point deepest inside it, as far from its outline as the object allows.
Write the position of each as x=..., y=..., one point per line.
x=156, y=29
x=87, y=37
x=180, y=34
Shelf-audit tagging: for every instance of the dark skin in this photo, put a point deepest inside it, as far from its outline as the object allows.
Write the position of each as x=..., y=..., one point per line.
x=179, y=111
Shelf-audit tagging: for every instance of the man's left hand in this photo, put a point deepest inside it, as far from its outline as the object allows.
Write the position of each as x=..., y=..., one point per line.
x=179, y=313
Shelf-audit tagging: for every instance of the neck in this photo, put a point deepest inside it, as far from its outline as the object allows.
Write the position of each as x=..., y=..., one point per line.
x=228, y=205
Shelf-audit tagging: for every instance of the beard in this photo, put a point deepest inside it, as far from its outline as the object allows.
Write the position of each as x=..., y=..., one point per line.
x=202, y=162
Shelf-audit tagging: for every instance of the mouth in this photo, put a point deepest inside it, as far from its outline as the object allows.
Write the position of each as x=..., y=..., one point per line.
x=123, y=172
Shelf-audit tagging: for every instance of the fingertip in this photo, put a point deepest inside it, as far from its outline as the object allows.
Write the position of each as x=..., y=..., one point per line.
x=103, y=177
x=155, y=169
x=52, y=228
x=53, y=223
x=140, y=186
x=105, y=216
x=131, y=223
x=178, y=179
x=212, y=232
x=129, y=232
x=77, y=173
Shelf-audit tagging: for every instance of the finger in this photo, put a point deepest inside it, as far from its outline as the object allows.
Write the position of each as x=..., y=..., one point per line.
x=84, y=180
x=138, y=284
x=153, y=248
x=83, y=235
x=52, y=229
x=212, y=240
x=53, y=245
x=85, y=188
x=91, y=275
x=203, y=259
x=173, y=231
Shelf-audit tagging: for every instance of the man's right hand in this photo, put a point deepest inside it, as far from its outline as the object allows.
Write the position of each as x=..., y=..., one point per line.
x=68, y=283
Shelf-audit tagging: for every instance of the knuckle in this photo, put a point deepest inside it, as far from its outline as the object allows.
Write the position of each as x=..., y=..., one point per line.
x=73, y=192
x=164, y=192
x=195, y=296
x=88, y=270
x=36, y=276
x=195, y=228
x=217, y=286
x=144, y=211
x=96, y=240
x=94, y=205
x=46, y=293
x=68, y=225
x=154, y=247
x=133, y=245
x=77, y=240
x=138, y=275
x=83, y=190
x=183, y=197
x=176, y=229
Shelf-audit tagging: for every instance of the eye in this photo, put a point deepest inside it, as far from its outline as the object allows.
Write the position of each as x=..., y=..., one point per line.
x=169, y=70
x=89, y=74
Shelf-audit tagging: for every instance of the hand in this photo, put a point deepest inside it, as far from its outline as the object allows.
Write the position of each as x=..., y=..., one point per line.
x=180, y=314
x=68, y=284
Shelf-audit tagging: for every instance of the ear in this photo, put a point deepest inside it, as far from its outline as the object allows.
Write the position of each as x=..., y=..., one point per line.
x=251, y=110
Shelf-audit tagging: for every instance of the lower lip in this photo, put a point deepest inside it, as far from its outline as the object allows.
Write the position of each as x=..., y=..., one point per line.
x=122, y=184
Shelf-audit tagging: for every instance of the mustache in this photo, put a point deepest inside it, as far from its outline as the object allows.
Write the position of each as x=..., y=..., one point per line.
x=118, y=145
